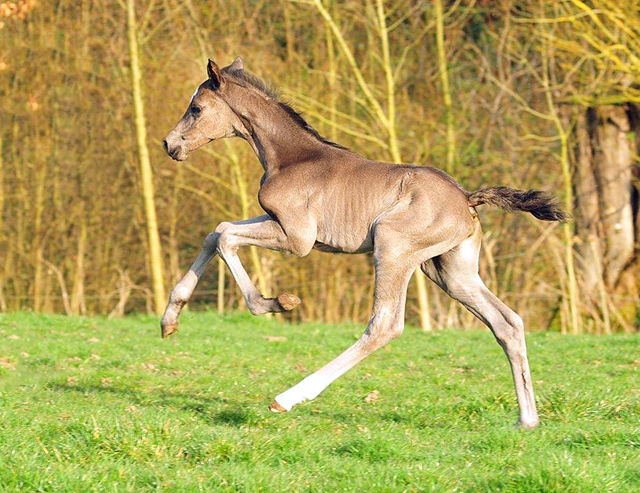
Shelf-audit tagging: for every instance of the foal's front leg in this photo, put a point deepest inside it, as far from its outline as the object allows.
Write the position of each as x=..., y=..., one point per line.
x=225, y=240
x=262, y=232
x=182, y=291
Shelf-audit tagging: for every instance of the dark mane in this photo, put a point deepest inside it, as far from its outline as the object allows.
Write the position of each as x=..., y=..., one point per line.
x=272, y=93
x=254, y=81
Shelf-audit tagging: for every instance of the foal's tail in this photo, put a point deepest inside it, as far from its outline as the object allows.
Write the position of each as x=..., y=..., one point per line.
x=541, y=204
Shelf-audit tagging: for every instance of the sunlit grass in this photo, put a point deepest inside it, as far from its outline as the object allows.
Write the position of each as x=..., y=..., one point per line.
x=90, y=404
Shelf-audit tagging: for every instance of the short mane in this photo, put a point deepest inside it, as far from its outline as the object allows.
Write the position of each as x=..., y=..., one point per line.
x=272, y=93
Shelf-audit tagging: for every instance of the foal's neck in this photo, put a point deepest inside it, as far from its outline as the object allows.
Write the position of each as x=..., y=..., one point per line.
x=276, y=137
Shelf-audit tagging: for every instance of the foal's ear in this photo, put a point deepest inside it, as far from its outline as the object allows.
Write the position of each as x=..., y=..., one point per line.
x=237, y=65
x=213, y=71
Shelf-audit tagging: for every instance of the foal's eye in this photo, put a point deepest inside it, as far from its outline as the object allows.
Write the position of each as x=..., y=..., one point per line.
x=196, y=110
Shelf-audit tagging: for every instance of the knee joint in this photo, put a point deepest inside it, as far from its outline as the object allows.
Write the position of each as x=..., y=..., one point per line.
x=211, y=241
x=219, y=238
x=222, y=227
x=225, y=243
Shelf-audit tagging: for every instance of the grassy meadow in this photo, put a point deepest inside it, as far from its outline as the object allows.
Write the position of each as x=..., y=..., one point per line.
x=90, y=404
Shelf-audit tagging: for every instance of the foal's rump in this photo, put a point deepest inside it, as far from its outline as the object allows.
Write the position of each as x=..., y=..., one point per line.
x=430, y=211
x=540, y=204
x=442, y=208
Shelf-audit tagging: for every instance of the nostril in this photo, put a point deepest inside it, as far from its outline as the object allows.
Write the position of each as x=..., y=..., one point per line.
x=165, y=145
x=182, y=137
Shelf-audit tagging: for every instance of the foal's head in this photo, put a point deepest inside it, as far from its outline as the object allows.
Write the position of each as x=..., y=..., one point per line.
x=208, y=116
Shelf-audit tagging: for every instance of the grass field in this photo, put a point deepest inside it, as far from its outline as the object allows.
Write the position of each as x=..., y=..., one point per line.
x=89, y=404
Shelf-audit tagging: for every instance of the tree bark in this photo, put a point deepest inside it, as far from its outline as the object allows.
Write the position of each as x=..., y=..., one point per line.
x=587, y=209
x=606, y=211
x=613, y=160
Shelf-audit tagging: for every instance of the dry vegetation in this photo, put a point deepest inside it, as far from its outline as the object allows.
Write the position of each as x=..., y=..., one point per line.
x=530, y=94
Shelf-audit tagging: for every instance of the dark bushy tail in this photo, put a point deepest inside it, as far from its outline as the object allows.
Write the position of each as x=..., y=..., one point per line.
x=541, y=204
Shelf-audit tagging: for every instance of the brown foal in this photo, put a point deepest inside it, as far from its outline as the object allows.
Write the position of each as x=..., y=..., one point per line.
x=318, y=194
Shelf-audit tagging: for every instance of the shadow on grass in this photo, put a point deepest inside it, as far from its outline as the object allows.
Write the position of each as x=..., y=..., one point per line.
x=213, y=410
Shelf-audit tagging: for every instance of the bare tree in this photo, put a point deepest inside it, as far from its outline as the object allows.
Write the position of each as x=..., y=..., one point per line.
x=146, y=173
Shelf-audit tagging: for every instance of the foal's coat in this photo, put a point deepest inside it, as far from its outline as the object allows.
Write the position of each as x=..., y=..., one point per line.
x=320, y=195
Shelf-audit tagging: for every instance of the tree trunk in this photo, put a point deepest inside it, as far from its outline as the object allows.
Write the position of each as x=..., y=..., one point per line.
x=587, y=209
x=606, y=211
x=78, y=306
x=444, y=80
x=3, y=303
x=613, y=159
x=38, y=254
x=146, y=173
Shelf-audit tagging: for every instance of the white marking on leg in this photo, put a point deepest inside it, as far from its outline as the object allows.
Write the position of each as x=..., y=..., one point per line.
x=306, y=390
x=185, y=287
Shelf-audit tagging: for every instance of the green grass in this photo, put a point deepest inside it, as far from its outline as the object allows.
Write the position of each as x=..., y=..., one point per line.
x=89, y=404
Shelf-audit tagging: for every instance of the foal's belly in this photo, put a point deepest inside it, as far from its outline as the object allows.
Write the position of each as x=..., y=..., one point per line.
x=343, y=239
x=324, y=247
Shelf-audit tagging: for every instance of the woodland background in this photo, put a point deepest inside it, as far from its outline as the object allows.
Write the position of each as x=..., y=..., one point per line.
x=96, y=219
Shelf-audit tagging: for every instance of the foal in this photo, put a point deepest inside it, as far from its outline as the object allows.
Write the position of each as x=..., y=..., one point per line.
x=318, y=194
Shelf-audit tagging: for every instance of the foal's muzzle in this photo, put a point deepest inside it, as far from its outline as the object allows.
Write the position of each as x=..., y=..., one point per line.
x=176, y=152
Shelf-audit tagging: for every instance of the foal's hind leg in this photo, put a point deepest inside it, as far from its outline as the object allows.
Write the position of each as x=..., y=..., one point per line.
x=456, y=272
x=394, y=264
x=386, y=323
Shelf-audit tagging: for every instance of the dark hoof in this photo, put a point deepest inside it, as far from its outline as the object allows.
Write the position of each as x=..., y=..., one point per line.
x=276, y=408
x=167, y=330
x=288, y=301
